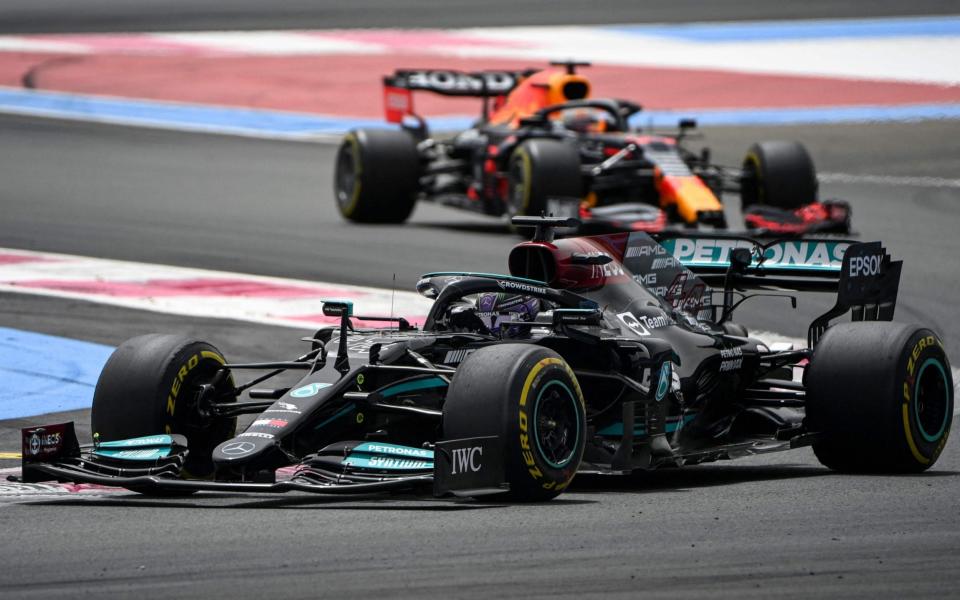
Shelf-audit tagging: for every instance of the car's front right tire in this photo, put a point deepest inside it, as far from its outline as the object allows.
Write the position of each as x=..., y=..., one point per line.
x=529, y=398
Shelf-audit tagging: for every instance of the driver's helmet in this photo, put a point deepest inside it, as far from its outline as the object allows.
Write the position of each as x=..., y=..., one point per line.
x=588, y=120
x=496, y=310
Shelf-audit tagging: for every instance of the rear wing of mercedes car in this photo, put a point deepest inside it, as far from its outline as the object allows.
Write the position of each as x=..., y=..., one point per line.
x=862, y=274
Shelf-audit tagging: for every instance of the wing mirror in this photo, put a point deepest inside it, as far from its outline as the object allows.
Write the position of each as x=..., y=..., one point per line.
x=740, y=260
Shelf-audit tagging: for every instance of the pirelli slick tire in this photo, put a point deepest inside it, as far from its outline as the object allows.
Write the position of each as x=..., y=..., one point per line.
x=779, y=174
x=529, y=398
x=149, y=386
x=880, y=395
x=377, y=177
x=540, y=170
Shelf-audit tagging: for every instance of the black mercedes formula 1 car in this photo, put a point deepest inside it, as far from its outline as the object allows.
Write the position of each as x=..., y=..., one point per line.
x=543, y=145
x=601, y=354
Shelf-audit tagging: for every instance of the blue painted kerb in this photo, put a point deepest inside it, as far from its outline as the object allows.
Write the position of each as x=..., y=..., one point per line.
x=43, y=374
x=289, y=125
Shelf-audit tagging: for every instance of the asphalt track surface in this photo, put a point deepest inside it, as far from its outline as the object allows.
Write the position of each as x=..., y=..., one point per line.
x=266, y=207
x=778, y=525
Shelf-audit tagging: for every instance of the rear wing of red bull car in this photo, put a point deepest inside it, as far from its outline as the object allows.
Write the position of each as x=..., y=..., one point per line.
x=398, y=88
x=862, y=275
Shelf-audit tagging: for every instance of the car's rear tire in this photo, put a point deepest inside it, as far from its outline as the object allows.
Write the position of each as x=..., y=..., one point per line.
x=149, y=386
x=377, y=176
x=779, y=174
x=880, y=396
x=539, y=170
x=530, y=399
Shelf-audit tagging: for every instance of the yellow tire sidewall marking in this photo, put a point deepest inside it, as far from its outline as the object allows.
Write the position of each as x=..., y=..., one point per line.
x=923, y=460
x=212, y=356
x=351, y=140
x=532, y=376
x=925, y=342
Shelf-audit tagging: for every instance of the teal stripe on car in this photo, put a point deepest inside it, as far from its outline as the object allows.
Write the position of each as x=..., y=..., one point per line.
x=392, y=450
x=390, y=463
x=490, y=275
x=139, y=442
x=340, y=413
x=616, y=429
x=141, y=454
x=412, y=386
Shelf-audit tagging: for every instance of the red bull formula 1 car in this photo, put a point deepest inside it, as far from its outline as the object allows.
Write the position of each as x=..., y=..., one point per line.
x=544, y=145
x=596, y=354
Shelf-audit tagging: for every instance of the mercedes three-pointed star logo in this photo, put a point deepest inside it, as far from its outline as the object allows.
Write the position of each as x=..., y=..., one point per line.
x=237, y=448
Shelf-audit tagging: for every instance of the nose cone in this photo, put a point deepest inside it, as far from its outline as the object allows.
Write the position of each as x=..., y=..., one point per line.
x=242, y=448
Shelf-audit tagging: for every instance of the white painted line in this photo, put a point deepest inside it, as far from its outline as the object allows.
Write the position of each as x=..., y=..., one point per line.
x=196, y=292
x=914, y=58
x=884, y=51
x=268, y=43
x=895, y=180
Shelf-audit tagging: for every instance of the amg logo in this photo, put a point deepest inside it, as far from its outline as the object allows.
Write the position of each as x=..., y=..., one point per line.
x=454, y=357
x=666, y=262
x=646, y=250
x=649, y=280
x=466, y=459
